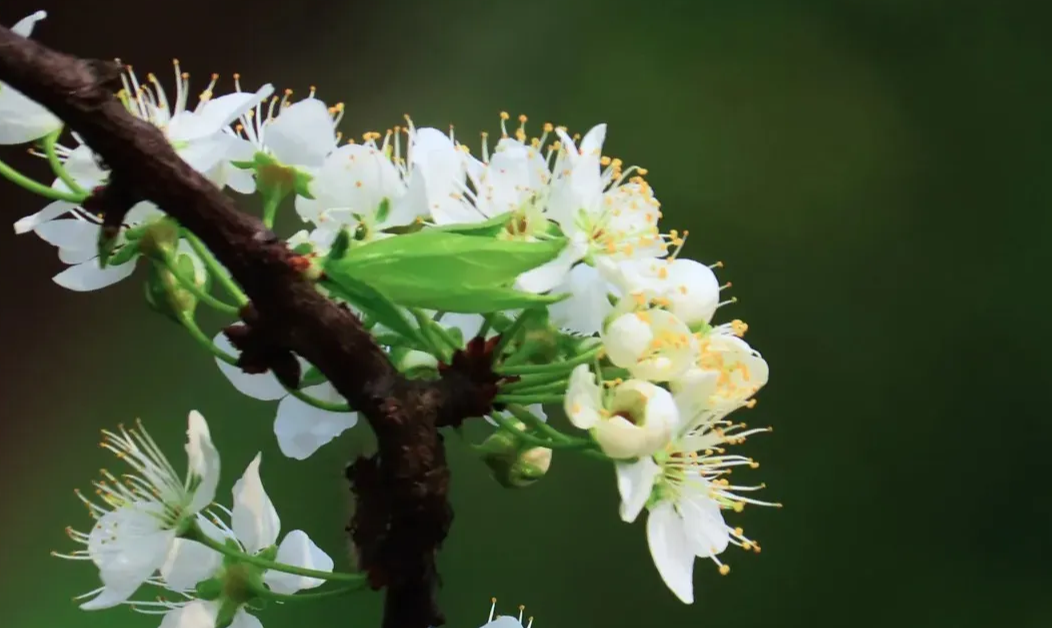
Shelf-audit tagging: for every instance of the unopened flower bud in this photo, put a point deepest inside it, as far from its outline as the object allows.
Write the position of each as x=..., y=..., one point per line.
x=159, y=238
x=512, y=465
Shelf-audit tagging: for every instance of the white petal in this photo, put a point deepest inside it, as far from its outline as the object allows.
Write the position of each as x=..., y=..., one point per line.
x=82, y=165
x=550, y=274
x=703, y=525
x=302, y=429
x=439, y=173
x=254, y=520
x=298, y=550
x=220, y=112
x=583, y=312
x=635, y=483
x=504, y=621
x=583, y=398
x=203, y=460
x=88, y=276
x=128, y=545
x=188, y=563
x=69, y=233
x=242, y=619
x=21, y=119
x=76, y=256
x=671, y=552
x=263, y=386
x=109, y=597
x=50, y=212
x=24, y=27
x=468, y=324
x=196, y=614
x=357, y=177
x=620, y=439
x=302, y=134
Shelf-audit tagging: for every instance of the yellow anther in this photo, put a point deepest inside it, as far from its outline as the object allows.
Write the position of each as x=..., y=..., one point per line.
x=725, y=569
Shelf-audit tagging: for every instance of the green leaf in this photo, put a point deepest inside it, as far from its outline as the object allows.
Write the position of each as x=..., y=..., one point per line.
x=440, y=258
x=490, y=227
x=466, y=299
x=372, y=302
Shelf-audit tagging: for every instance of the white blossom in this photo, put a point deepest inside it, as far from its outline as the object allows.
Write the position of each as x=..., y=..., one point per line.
x=143, y=512
x=635, y=418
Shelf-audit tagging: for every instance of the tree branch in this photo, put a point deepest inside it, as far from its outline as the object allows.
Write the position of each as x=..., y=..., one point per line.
x=403, y=512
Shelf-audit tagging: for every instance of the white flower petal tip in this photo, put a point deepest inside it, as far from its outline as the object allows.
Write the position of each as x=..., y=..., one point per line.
x=254, y=520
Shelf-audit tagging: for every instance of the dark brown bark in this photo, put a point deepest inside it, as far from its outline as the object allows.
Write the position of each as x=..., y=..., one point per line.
x=403, y=511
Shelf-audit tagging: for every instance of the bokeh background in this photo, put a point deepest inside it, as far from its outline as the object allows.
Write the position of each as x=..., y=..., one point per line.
x=876, y=177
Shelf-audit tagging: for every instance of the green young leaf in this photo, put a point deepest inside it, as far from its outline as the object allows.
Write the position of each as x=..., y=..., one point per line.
x=490, y=227
x=443, y=260
x=464, y=299
x=372, y=302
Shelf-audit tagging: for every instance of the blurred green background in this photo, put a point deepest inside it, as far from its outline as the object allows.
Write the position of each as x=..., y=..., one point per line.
x=876, y=177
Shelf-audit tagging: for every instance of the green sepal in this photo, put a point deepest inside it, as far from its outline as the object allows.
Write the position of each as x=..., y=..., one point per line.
x=383, y=211
x=272, y=174
x=159, y=238
x=124, y=254
x=106, y=245
x=341, y=244
x=312, y=377
x=210, y=589
x=304, y=248
x=166, y=296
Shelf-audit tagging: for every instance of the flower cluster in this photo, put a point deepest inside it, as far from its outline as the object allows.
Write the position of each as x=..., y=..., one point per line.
x=153, y=528
x=540, y=262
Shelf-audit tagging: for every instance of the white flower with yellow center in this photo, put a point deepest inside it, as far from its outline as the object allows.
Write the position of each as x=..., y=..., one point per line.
x=684, y=287
x=685, y=487
x=359, y=188
x=143, y=512
x=298, y=134
x=653, y=344
x=21, y=119
x=254, y=527
x=632, y=418
x=686, y=493
x=725, y=376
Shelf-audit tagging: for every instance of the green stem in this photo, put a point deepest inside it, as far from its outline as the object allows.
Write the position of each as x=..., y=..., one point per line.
x=443, y=343
x=531, y=381
x=270, y=208
x=536, y=441
x=199, y=336
x=266, y=593
x=56, y=163
x=195, y=533
x=195, y=331
x=529, y=400
x=196, y=290
x=532, y=420
x=218, y=272
x=558, y=367
x=329, y=406
x=40, y=189
x=512, y=332
x=538, y=389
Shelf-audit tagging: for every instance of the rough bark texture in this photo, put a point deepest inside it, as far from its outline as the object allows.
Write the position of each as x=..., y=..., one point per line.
x=402, y=513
